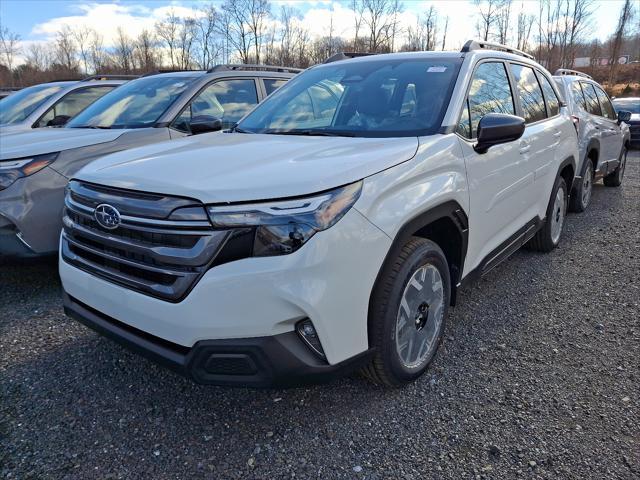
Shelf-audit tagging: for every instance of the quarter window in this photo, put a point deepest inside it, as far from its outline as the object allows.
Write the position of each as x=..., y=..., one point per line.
x=530, y=93
x=72, y=104
x=272, y=84
x=605, y=104
x=593, y=106
x=553, y=104
x=228, y=100
x=489, y=92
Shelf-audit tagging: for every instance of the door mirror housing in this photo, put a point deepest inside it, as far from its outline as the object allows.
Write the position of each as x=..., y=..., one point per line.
x=205, y=124
x=624, y=116
x=497, y=128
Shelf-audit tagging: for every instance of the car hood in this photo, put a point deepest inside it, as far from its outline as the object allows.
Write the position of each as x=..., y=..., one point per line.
x=234, y=167
x=48, y=140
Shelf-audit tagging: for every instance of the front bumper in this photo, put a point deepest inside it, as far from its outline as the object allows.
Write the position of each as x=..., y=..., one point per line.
x=273, y=361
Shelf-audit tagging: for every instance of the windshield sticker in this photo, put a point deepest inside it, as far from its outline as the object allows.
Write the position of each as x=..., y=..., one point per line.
x=436, y=69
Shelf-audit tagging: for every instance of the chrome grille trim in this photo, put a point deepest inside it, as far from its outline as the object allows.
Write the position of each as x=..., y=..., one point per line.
x=157, y=257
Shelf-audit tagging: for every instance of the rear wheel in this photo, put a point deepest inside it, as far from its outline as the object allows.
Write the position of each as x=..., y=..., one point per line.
x=408, y=311
x=582, y=194
x=548, y=237
x=614, y=179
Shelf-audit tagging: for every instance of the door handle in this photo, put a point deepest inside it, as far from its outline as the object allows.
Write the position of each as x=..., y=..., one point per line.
x=557, y=134
x=524, y=148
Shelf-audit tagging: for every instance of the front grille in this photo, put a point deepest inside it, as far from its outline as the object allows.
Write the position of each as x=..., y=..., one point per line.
x=161, y=248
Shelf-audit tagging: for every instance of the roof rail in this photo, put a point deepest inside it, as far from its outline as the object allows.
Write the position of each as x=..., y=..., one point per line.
x=109, y=77
x=482, y=45
x=253, y=66
x=346, y=55
x=566, y=71
x=169, y=70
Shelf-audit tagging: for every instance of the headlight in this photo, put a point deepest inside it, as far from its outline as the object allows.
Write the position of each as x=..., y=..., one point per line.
x=283, y=226
x=11, y=170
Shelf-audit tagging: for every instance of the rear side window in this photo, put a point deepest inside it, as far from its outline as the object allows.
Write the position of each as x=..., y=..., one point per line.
x=272, y=84
x=530, y=93
x=553, y=104
x=591, y=99
x=578, y=97
x=489, y=92
x=72, y=104
x=605, y=104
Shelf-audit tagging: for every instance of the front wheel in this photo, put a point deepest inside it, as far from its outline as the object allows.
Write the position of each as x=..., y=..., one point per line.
x=614, y=179
x=548, y=237
x=408, y=311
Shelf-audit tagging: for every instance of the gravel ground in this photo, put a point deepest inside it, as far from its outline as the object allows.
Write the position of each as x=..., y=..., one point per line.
x=537, y=378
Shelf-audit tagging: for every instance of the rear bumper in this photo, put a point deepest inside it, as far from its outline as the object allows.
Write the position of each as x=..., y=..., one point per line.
x=273, y=361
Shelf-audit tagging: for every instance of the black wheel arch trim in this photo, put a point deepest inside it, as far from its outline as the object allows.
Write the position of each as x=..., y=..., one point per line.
x=451, y=210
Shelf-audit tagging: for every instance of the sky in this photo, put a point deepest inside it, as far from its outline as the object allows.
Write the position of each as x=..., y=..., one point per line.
x=38, y=20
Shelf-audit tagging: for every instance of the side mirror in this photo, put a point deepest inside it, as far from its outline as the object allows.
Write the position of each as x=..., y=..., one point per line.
x=497, y=128
x=58, y=121
x=624, y=116
x=204, y=124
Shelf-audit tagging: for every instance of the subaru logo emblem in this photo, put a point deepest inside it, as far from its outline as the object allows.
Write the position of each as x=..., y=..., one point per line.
x=107, y=216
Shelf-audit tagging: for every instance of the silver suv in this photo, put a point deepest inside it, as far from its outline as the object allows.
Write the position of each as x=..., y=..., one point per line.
x=603, y=138
x=35, y=166
x=53, y=104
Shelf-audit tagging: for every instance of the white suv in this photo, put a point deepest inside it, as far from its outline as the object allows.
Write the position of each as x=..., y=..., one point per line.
x=329, y=229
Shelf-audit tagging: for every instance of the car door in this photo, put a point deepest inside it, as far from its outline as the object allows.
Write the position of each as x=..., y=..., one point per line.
x=611, y=132
x=595, y=116
x=499, y=180
x=226, y=99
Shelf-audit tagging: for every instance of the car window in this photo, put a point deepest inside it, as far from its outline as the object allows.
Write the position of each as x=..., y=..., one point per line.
x=529, y=93
x=272, y=84
x=553, y=104
x=489, y=92
x=19, y=105
x=73, y=103
x=377, y=98
x=228, y=100
x=137, y=104
x=578, y=97
x=312, y=108
x=629, y=104
x=605, y=104
x=591, y=99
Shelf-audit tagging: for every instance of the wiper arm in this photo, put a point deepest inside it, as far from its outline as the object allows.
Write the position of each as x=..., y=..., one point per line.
x=102, y=127
x=311, y=133
x=237, y=129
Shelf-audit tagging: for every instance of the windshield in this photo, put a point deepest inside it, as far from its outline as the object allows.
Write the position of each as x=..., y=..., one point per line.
x=629, y=104
x=136, y=104
x=376, y=98
x=18, y=106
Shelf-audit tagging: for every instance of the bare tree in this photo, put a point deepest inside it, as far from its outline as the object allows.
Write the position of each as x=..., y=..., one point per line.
x=65, y=48
x=39, y=56
x=503, y=21
x=380, y=18
x=208, y=46
x=145, y=54
x=123, y=51
x=626, y=16
x=258, y=13
x=357, y=6
x=237, y=29
x=444, y=35
x=82, y=36
x=186, y=37
x=97, y=53
x=523, y=33
x=488, y=11
x=9, y=47
x=168, y=31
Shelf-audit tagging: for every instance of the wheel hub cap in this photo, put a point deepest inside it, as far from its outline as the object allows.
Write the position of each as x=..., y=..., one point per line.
x=557, y=218
x=420, y=316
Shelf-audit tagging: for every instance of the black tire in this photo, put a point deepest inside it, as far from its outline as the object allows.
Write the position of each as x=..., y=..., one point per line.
x=543, y=240
x=581, y=195
x=387, y=367
x=614, y=179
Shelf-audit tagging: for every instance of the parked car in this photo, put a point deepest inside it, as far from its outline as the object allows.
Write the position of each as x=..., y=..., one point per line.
x=630, y=104
x=35, y=166
x=602, y=137
x=332, y=227
x=53, y=104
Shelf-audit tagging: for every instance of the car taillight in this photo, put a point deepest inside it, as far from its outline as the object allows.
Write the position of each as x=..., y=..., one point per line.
x=576, y=122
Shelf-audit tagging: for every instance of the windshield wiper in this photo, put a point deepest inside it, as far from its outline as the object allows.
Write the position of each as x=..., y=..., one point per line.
x=236, y=129
x=310, y=133
x=101, y=127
